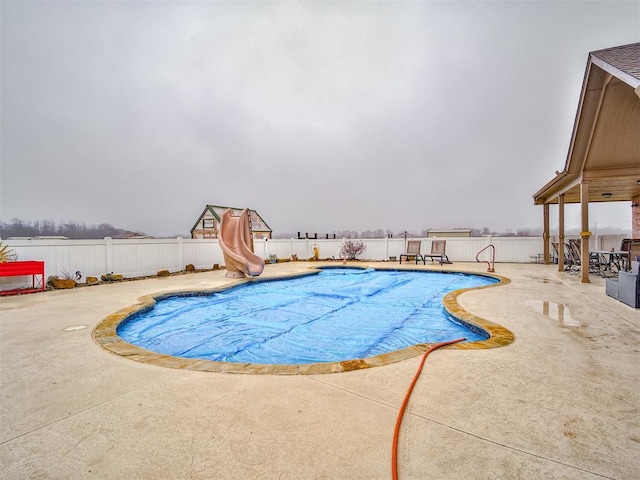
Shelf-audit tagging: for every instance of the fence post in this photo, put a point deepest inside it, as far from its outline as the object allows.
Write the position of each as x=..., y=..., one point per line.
x=108, y=248
x=181, y=264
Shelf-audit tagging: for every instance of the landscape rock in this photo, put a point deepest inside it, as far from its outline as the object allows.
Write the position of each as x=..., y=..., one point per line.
x=63, y=282
x=112, y=277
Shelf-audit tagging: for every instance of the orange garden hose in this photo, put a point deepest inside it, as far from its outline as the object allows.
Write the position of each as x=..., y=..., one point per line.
x=396, y=433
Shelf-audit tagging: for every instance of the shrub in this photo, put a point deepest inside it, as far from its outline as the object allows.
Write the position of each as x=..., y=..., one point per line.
x=351, y=249
x=66, y=275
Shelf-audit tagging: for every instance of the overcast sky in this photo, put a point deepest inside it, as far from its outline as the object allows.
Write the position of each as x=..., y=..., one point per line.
x=322, y=116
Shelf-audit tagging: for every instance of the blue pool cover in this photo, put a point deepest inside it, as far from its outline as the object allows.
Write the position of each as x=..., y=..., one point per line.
x=338, y=314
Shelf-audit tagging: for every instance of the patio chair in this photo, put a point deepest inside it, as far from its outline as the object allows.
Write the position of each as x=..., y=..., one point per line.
x=611, y=287
x=438, y=248
x=624, y=247
x=594, y=265
x=629, y=286
x=633, y=252
x=413, y=250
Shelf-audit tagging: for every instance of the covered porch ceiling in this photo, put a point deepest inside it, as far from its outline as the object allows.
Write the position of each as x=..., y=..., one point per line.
x=605, y=145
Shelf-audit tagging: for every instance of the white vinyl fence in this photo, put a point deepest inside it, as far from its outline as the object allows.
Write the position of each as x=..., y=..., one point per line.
x=142, y=257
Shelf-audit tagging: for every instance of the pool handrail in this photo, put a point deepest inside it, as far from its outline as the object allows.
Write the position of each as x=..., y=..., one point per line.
x=490, y=265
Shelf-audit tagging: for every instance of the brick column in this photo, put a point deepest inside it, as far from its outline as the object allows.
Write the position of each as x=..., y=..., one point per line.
x=635, y=217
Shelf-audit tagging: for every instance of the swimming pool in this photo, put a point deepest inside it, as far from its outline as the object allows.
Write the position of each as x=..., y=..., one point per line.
x=336, y=315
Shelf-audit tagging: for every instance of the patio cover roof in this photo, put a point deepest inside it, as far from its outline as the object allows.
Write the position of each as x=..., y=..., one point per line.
x=605, y=144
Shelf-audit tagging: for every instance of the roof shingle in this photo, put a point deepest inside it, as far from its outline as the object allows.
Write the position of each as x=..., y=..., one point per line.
x=625, y=58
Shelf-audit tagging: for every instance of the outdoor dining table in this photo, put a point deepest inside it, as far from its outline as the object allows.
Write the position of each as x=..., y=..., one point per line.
x=611, y=260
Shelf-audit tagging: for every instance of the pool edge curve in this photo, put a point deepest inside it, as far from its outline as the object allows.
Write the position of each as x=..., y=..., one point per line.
x=105, y=335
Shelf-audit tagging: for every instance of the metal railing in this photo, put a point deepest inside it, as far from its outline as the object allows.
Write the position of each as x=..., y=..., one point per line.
x=491, y=266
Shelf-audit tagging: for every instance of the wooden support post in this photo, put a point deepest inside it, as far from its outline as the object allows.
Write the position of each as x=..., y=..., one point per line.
x=545, y=234
x=584, y=233
x=561, y=233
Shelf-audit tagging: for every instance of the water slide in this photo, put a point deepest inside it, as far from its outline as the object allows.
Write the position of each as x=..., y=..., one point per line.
x=237, y=245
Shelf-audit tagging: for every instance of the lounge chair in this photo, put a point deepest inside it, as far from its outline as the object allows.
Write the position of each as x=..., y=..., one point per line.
x=413, y=250
x=594, y=266
x=438, y=248
x=573, y=258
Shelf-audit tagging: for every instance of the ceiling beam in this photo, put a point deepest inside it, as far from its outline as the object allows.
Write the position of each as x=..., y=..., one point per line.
x=612, y=172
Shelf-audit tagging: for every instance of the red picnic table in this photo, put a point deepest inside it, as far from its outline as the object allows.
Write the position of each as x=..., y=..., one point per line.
x=18, y=269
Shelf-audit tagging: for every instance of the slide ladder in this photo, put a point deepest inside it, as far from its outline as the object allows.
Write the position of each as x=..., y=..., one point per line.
x=250, y=239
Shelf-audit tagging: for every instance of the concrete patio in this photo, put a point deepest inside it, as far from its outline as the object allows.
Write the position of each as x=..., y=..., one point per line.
x=561, y=402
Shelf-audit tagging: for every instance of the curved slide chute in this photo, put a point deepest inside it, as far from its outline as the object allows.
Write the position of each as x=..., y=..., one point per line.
x=237, y=245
